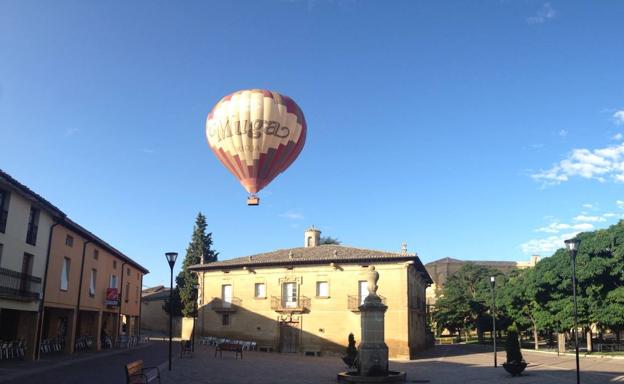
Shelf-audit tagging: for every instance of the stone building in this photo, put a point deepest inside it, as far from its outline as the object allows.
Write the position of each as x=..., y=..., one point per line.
x=306, y=299
x=441, y=270
x=154, y=318
x=55, y=276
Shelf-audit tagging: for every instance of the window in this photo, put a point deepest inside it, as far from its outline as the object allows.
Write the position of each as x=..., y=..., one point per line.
x=322, y=289
x=96, y=254
x=65, y=274
x=1, y=246
x=69, y=241
x=225, y=319
x=127, y=293
x=136, y=294
x=289, y=295
x=362, y=290
x=113, y=281
x=260, y=291
x=92, y=282
x=114, y=264
x=226, y=295
x=127, y=271
x=33, y=222
x=27, y=264
x=4, y=202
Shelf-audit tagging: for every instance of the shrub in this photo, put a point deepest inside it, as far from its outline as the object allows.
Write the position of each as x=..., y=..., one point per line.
x=512, y=346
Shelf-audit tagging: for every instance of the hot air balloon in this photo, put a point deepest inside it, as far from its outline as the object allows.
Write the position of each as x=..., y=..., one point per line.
x=256, y=134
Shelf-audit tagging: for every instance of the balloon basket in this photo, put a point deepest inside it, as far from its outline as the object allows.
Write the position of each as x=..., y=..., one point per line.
x=253, y=200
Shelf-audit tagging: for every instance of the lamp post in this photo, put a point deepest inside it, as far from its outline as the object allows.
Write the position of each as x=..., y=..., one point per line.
x=493, y=283
x=171, y=259
x=572, y=245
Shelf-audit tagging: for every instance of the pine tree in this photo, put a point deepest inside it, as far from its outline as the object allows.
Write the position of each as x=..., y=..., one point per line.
x=199, y=247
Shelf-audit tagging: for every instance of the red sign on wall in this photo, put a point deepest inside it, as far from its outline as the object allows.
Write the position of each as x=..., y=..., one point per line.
x=112, y=297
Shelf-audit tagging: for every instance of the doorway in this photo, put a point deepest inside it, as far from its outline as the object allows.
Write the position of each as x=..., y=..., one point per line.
x=289, y=337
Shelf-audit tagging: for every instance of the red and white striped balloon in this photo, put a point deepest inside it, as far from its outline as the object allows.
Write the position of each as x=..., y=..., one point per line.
x=256, y=134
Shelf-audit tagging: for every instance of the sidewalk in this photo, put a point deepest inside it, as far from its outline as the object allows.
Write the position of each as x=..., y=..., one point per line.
x=14, y=369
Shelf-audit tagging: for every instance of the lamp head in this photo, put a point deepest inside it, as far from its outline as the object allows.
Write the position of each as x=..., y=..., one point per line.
x=492, y=279
x=572, y=244
x=171, y=258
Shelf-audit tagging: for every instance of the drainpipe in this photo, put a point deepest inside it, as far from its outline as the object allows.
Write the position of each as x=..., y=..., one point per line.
x=120, y=300
x=45, y=284
x=84, y=250
x=140, y=304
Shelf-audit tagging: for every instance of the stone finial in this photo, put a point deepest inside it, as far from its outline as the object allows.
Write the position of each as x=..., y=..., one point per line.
x=290, y=255
x=373, y=278
x=404, y=249
x=335, y=253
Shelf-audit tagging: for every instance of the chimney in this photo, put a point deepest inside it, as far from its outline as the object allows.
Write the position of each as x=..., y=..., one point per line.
x=312, y=237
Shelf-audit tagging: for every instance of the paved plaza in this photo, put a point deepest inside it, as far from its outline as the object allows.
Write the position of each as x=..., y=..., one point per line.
x=442, y=365
x=446, y=364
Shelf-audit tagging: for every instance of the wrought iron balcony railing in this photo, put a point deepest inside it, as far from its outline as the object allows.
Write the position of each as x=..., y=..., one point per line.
x=19, y=286
x=219, y=304
x=280, y=304
x=3, y=219
x=354, y=302
x=31, y=236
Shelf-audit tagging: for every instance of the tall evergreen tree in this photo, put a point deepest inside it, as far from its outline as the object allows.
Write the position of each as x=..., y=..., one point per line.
x=199, y=248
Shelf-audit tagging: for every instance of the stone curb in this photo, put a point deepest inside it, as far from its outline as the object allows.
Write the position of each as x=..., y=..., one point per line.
x=27, y=371
x=616, y=357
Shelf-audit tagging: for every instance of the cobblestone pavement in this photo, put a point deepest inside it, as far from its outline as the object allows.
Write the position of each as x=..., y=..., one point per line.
x=442, y=365
x=105, y=367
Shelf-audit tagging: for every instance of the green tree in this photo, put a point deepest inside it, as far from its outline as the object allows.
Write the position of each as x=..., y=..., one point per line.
x=329, y=240
x=466, y=298
x=199, y=250
x=177, y=303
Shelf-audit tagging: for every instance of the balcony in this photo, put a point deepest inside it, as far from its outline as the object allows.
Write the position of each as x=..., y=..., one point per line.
x=280, y=304
x=31, y=236
x=354, y=302
x=3, y=219
x=222, y=305
x=19, y=286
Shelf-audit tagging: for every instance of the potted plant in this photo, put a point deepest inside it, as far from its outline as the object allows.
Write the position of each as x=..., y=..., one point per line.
x=515, y=363
x=351, y=357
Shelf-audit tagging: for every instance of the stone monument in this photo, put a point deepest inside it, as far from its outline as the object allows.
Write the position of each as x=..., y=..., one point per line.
x=373, y=351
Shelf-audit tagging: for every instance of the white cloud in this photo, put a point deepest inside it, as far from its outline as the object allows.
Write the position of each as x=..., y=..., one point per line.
x=291, y=215
x=609, y=214
x=547, y=12
x=71, y=131
x=620, y=203
x=547, y=245
x=598, y=164
x=588, y=219
x=563, y=133
x=558, y=227
x=588, y=206
x=618, y=136
x=618, y=117
x=147, y=150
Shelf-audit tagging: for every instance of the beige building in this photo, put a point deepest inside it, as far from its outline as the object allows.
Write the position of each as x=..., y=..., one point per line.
x=25, y=223
x=55, y=277
x=154, y=319
x=307, y=299
x=82, y=270
x=441, y=270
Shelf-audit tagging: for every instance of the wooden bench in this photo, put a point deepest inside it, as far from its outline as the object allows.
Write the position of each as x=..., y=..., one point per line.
x=186, y=348
x=136, y=373
x=312, y=350
x=238, y=348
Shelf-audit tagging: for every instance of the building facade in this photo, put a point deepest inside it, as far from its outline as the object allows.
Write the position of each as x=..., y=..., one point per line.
x=58, y=281
x=26, y=220
x=154, y=319
x=307, y=299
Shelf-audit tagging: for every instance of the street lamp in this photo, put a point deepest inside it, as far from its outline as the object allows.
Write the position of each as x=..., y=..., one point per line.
x=493, y=282
x=171, y=259
x=573, y=245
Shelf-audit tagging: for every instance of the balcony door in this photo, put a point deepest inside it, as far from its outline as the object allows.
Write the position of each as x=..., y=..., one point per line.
x=226, y=295
x=363, y=290
x=27, y=264
x=289, y=295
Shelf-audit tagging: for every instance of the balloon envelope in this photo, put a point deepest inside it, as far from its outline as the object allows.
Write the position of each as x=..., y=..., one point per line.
x=256, y=134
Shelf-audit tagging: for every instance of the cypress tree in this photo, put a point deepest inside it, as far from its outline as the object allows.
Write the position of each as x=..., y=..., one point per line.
x=199, y=247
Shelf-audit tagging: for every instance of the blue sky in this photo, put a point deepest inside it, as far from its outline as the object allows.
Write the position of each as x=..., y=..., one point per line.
x=475, y=130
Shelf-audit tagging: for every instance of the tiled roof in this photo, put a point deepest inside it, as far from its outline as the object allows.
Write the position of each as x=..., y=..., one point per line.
x=27, y=192
x=322, y=254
